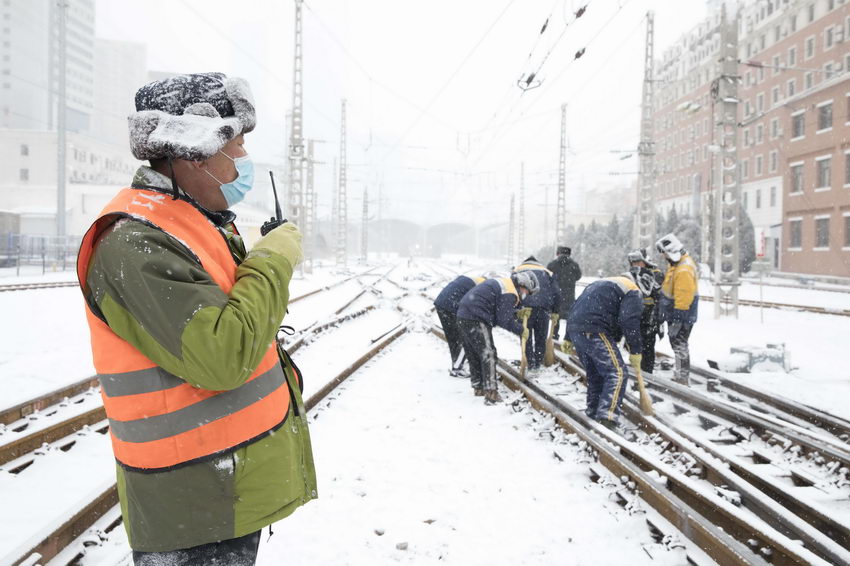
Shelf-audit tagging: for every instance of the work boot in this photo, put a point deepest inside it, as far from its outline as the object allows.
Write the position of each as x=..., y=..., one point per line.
x=609, y=424
x=492, y=397
x=478, y=391
x=682, y=380
x=457, y=373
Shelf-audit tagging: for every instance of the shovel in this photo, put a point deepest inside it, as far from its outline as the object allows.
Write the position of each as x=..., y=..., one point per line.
x=645, y=401
x=549, y=356
x=523, y=365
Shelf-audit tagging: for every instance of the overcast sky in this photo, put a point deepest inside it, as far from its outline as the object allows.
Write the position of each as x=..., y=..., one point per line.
x=434, y=112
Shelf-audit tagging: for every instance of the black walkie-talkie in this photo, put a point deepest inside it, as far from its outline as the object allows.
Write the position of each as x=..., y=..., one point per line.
x=277, y=220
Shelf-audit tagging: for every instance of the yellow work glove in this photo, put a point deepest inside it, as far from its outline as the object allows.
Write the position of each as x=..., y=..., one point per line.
x=568, y=348
x=285, y=240
x=554, y=317
x=524, y=312
x=525, y=334
x=634, y=360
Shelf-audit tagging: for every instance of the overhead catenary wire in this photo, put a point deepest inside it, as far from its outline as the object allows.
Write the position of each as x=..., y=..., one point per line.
x=450, y=79
x=497, y=135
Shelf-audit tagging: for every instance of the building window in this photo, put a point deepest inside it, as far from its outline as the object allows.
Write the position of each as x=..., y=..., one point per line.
x=827, y=71
x=822, y=232
x=795, y=233
x=825, y=116
x=792, y=56
x=847, y=231
x=759, y=133
x=24, y=175
x=828, y=34
x=760, y=103
x=793, y=24
x=797, y=178
x=774, y=161
x=774, y=95
x=759, y=165
x=810, y=47
x=811, y=13
x=758, y=198
x=772, y=197
x=774, y=128
x=847, y=169
x=809, y=79
x=746, y=137
x=792, y=87
x=824, y=176
x=25, y=149
x=746, y=200
x=745, y=168
x=776, y=64
x=798, y=125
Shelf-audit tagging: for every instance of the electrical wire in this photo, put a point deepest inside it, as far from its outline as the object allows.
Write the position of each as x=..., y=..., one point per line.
x=450, y=79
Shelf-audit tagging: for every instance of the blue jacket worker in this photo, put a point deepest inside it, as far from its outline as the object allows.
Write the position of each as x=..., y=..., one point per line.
x=606, y=311
x=566, y=273
x=446, y=305
x=488, y=304
x=543, y=304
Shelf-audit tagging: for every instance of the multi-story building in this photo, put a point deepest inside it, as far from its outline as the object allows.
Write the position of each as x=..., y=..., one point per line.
x=29, y=63
x=794, y=128
x=795, y=62
x=120, y=69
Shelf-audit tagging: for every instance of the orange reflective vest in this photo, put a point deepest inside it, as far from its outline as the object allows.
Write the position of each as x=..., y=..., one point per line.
x=158, y=420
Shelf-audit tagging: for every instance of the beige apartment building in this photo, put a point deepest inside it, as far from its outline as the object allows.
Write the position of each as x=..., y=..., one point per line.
x=794, y=128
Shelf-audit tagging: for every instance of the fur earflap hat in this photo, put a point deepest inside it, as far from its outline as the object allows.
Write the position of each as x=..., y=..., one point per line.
x=190, y=116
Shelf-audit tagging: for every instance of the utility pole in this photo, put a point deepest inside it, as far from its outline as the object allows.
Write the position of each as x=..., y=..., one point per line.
x=295, y=210
x=309, y=210
x=727, y=188
x=61, y=124
x=561, y=209
x=645, y=229
x=511, y=234
x=341, y=199
x=364, y=236
x=521, y=235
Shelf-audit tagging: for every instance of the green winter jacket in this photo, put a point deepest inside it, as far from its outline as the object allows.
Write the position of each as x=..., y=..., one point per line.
x=154, y=293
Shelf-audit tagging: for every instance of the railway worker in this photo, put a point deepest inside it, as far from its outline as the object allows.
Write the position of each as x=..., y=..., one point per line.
x=543, y=304
x=207, y=423
x=649, y=319
x=488, y=304
x=446, y=305
x=607, y=310
x=567, y=273
x=679, y=301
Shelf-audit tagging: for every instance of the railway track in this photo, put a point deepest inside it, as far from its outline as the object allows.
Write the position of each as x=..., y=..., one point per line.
x=65, y=543
x=30, y=286
x=722, y=483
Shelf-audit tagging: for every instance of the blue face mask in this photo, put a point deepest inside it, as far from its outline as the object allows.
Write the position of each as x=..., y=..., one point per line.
x=234, y=191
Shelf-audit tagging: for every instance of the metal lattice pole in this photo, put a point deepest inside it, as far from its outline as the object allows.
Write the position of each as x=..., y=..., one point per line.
x=521, y=231
x=364, y=236
x=645, y=232
x=561, y=208
x=295, y=209
x=342, y=198
x=727, y=179
x=309, y=210
x=61, y=125
x=511, y=233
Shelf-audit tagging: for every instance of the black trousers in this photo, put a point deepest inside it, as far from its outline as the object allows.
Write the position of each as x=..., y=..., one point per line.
x=240, y=551
x=449, y=323
x=538, y=332
x=648, y=331
x=481, y=352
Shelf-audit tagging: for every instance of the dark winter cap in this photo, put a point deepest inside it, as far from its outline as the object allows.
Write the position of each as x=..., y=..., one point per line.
x=564, y=250
x=190, y=116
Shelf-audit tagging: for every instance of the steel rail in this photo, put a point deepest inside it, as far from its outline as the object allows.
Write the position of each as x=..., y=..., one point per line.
x=31, y=286
x=21, y=410
x=765, y=497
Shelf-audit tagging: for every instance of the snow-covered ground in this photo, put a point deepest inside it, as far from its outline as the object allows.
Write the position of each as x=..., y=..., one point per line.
x=402, y=448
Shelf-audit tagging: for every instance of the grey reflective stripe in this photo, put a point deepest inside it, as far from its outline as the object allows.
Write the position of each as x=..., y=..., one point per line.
x=136, y=382
x=206, y=411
